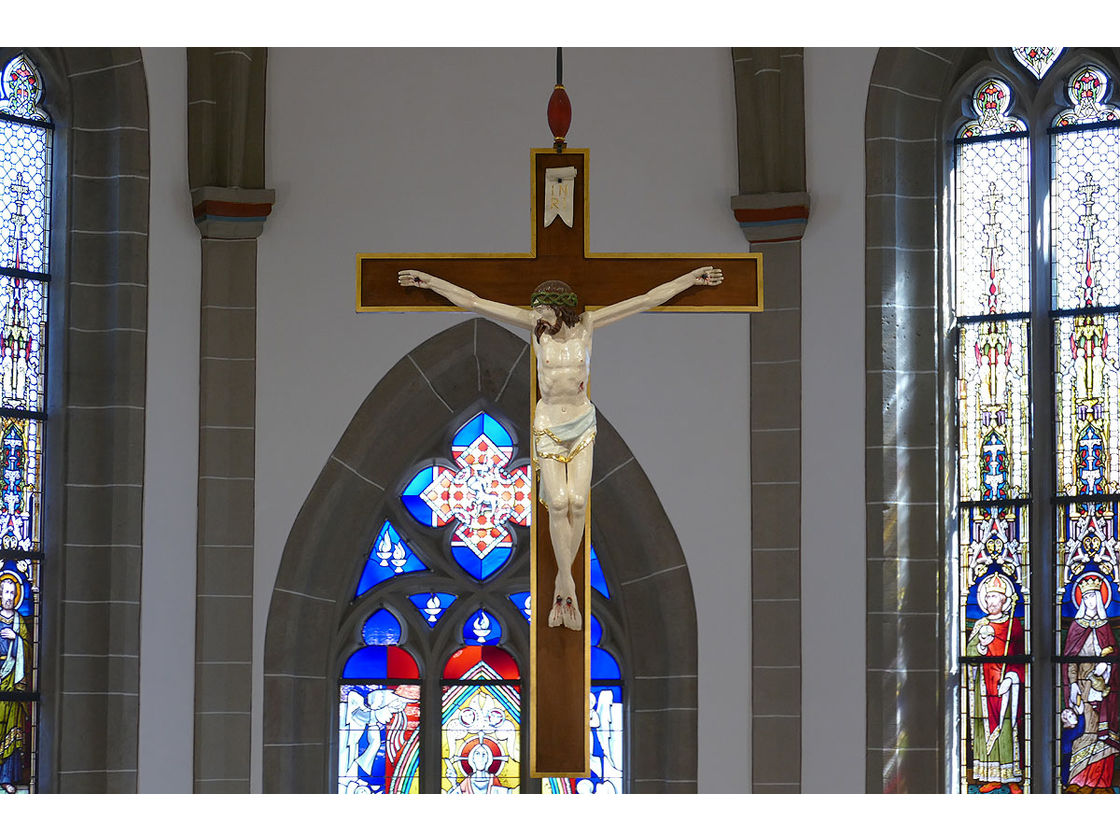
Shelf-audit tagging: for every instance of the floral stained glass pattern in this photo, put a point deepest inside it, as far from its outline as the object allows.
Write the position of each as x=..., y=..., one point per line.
x=481, y=496
x=1087, y=90
x=1037, y=59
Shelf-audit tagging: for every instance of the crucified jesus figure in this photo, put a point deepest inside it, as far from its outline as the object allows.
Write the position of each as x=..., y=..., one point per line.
x=564, y=419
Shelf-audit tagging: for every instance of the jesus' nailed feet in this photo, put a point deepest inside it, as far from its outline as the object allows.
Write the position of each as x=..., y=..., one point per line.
x=565, y=606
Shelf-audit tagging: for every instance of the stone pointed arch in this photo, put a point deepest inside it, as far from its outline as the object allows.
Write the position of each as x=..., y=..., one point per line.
x=403, y=419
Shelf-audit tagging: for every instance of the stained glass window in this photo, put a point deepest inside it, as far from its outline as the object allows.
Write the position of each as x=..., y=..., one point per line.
x=25, y=210
x=379, y=714
x=1002, y=339
x=479, y=495
x=443, y=576
x=481, y=723
x=1037, y=59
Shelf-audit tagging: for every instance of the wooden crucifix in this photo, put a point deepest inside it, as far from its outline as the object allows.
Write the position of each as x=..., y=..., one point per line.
x=560, y=678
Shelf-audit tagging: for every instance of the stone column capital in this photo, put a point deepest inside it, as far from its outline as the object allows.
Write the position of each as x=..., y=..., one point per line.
x=231, y=212
x=772, y=216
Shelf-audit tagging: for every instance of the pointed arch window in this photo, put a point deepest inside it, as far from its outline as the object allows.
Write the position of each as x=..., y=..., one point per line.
x=1036, y=317
x=431, y=694
x=26, y=135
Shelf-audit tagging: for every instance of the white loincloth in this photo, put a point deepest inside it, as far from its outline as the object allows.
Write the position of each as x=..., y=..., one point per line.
x=564, y=441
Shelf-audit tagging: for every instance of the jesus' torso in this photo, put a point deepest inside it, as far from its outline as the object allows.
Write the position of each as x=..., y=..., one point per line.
x=563, y=368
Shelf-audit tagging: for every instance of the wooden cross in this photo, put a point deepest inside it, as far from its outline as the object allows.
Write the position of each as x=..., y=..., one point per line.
x=559, y=669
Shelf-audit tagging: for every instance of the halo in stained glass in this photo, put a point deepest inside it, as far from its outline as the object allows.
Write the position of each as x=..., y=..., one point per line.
x=524, y=603
x=482, y=629
x=379, y=739
x=377, y=663
x=481, y=662
x=381, y=628
x=991, y=102
x=481, y=496
x=481, y=738
x=22, y=88
x=432, y=605
x=390, y=556
x=1087, y=90
x=1037, y=59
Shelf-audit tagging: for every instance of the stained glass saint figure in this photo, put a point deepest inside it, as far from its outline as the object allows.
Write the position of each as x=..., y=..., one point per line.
x=996, y=695
x=1090, y=692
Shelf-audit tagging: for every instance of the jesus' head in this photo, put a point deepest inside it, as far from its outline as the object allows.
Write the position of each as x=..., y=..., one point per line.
x=554, y=304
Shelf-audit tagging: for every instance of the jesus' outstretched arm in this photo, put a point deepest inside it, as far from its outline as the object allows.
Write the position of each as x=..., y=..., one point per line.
x=467, y=299
x=704, y=276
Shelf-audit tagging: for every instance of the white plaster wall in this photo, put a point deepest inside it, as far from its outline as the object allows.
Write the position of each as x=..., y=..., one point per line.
x=363, y=153
x=171, y=441
x=833, y=580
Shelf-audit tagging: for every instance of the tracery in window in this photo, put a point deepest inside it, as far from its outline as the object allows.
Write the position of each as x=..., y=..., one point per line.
x=997, y=336
x=443, y=554
x=1037, y=59
x=25, y=195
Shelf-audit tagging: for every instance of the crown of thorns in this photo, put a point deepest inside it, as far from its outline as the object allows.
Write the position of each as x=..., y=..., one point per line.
x=547, y=298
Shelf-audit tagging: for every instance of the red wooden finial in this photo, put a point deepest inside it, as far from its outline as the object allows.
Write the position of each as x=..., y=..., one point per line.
x=559, y=106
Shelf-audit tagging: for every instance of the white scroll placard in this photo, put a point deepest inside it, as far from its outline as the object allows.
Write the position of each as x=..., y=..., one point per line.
x=559, y=194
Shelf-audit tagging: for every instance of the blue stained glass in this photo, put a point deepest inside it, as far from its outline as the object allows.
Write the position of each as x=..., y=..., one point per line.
x=603, y=665
x=598, y=582
x=523, y=602
x=389, y=556
x=381, y=628
x=380, y=662
x=480, y=496
x=415, y=505
x=479, y=567
x=596, y=631
x=482, y=629
x=432, y=605
x=481, y=424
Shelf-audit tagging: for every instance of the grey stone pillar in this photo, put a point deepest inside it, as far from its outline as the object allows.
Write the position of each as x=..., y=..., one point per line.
x=226, y=92
x=99, y=317
x=772, y=208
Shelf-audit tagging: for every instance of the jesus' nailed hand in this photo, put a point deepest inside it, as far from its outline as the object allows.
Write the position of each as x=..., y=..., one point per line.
x=564, y=419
